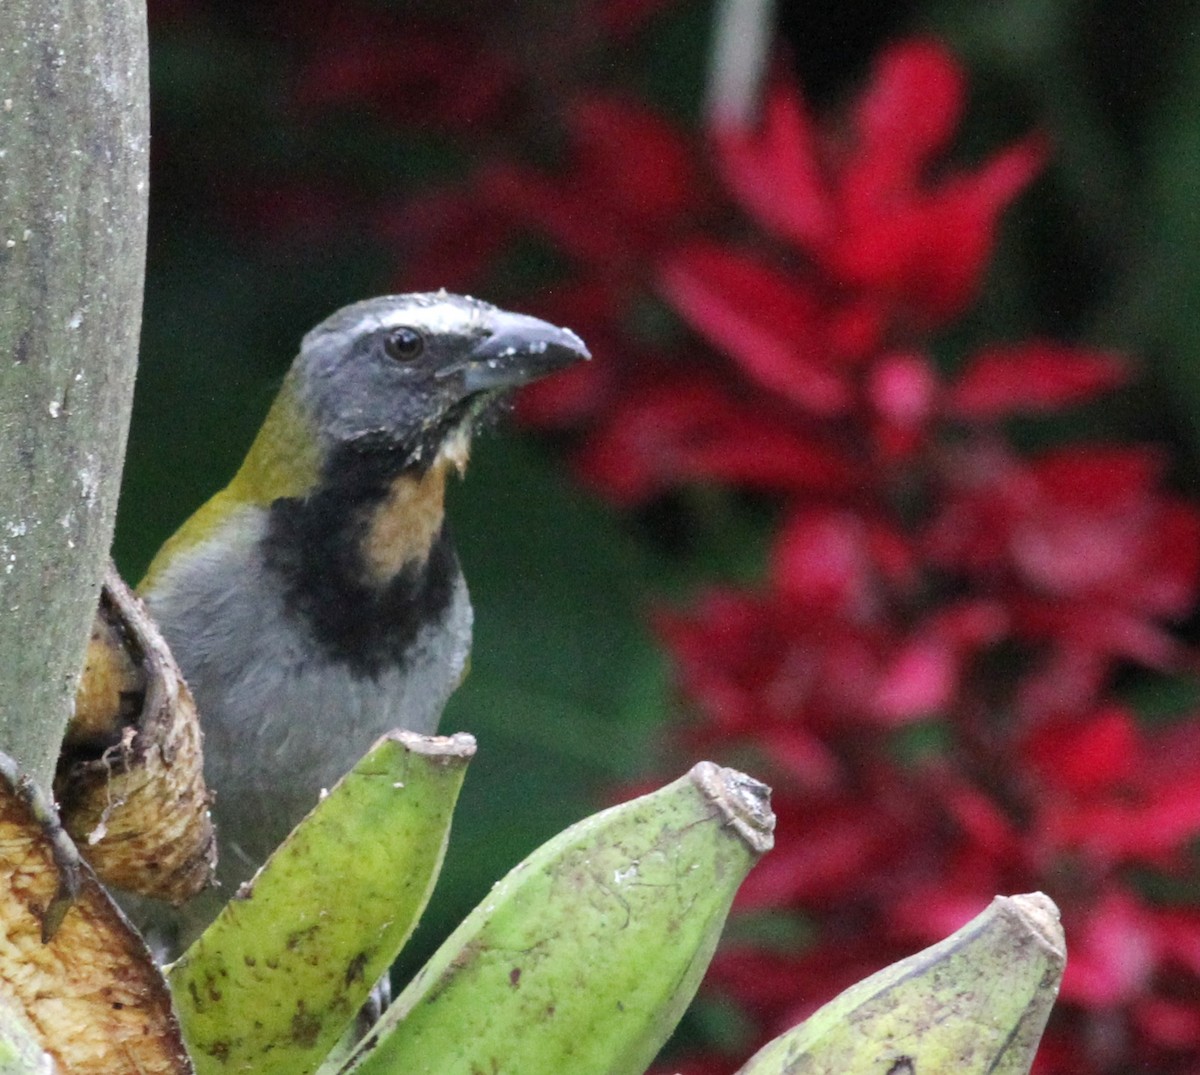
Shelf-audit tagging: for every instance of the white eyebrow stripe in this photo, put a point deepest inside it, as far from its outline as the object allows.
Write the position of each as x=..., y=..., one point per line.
x=436, y=317
x=432, y=312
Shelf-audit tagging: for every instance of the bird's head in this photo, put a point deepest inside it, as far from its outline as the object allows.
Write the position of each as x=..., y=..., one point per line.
x=401, y=380
x=412, y=374
x=378, y=405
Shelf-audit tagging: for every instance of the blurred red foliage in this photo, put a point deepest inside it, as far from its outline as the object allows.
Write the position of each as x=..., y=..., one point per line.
x=927, y=671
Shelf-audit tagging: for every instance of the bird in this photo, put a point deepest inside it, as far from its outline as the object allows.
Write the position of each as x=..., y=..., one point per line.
x=317, y=601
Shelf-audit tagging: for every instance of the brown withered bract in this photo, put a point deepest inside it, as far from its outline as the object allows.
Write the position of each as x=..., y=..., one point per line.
x=130, y=780
x=72, y=969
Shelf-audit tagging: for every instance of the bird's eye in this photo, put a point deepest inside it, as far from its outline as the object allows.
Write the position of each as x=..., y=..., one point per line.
x=404, y=344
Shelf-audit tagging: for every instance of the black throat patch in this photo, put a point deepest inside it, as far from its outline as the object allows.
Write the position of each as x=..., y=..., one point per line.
x=314, y=546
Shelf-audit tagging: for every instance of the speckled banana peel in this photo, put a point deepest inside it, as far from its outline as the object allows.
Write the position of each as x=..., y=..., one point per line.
x=272, y=984
x=584, y=957
x=972, y=1004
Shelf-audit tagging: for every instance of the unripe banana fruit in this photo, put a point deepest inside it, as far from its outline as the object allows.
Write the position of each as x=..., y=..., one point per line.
x=271, y=985
x=584, y=957
x=973, y=1004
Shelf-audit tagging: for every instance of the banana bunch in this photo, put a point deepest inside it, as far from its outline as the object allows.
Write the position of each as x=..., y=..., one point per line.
x=584, y=957
x=581, y=960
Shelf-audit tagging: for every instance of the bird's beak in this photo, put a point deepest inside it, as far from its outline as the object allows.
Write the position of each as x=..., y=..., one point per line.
x=520, y=349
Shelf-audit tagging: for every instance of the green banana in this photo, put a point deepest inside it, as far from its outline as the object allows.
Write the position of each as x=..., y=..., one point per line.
x=273, y=983
x=584, y=957
x=973, y=1004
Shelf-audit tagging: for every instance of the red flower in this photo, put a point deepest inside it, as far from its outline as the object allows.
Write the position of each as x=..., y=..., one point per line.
x=773, y=326
x=1113, y=794
x=680, y=430
x=1035, y=376
x=864, y=206
x=934, y=585
x=902, y=394
x=1087, y=552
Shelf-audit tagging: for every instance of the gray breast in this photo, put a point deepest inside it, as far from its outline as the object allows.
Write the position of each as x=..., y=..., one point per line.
x=282, y=719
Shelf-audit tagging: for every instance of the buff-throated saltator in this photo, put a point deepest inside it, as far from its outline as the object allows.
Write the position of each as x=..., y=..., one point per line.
x=317, y=600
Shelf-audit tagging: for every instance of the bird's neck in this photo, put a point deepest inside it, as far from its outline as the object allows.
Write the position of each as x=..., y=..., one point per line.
x=365, y=559
x=285, y=458
x=370, y=498
x=283, y=461
x=401, y=527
